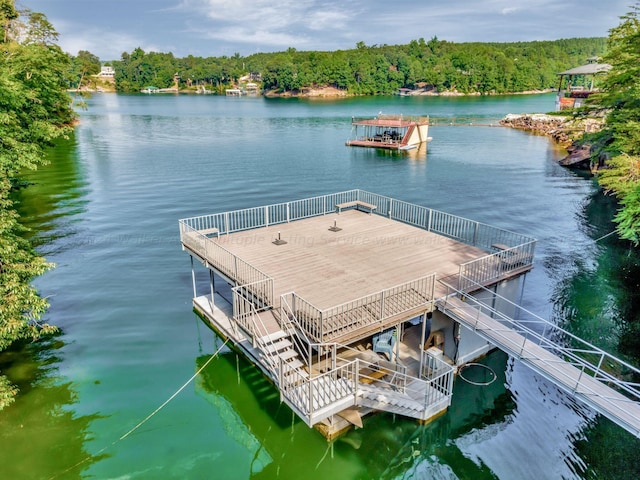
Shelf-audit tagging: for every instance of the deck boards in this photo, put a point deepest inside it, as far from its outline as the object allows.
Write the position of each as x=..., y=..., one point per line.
x=369, y=254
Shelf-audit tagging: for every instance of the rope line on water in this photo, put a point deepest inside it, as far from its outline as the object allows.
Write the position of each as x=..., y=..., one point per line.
x=605, y=236
x=479, y=384
x=148, y=417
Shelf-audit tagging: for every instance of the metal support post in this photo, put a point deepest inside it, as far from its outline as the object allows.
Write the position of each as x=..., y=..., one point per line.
x=212, y=287
x=193, y=278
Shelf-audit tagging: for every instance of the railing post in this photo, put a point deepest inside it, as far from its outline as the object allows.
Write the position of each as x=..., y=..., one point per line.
x=281, y=379
x=310, y=396
x=288, y=213
x=475, y=234
x=381, y=305
x=356, y=379
x=390, y=206
x=595, y=374
x=226, y=223
x=575, y=390
x=266, y=216
x=429, y=221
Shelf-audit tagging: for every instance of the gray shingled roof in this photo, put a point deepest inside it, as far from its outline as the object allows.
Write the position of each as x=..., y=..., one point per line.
x=588, y=69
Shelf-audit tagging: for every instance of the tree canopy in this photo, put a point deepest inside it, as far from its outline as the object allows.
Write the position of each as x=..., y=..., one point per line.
x=620, y=99
x=34, y=111
x=439, y=65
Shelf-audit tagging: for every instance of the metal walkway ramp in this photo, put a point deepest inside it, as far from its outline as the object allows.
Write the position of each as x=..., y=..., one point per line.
x=591, y=375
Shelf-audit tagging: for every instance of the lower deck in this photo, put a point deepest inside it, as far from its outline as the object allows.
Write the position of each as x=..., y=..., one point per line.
x=380, y=375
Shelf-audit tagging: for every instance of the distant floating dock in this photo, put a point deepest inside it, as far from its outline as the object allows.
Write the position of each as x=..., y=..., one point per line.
x=391, y=132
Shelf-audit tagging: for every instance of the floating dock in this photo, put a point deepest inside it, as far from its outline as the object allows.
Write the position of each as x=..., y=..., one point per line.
x=355, y=302
x=392, y=132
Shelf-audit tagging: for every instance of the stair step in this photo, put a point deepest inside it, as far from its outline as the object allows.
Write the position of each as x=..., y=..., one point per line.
x=273, y=337
x=287, y=354
x=277, y=346
x=293, y=365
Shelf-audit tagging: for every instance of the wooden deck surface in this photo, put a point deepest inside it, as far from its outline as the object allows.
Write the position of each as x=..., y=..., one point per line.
x=369, y=254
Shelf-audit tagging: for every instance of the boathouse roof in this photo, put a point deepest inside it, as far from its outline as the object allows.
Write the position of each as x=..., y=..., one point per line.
x=588, y=69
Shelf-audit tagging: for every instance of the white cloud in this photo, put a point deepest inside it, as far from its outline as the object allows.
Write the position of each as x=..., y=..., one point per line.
x=283, y=23
x=509, y=10
x=250, y=36
x=108, y=45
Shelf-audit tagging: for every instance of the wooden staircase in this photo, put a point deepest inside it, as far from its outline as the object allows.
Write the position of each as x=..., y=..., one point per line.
x=276, y=349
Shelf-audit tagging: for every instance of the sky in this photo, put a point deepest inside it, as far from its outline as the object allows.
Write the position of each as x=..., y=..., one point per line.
x=213, y=28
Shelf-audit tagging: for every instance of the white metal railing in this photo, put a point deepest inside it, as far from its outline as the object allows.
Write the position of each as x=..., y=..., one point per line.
x=226, y=262
x=487, y=269
x=308, y=395
x=248, y=301
x=436, y=385
x=511, y=251
x=452, y=226
x=263, y=216
x=289, y=322
x=322, y=326
x=383, y=116
x=311, y=395
x=566, y=347
x=440, y=375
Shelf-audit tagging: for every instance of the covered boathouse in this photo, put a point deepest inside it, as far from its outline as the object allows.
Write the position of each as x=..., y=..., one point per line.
x=392, y=132
x=355, y=302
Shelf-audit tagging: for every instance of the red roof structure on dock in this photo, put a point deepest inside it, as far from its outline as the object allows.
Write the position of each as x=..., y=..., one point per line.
x=394, y=132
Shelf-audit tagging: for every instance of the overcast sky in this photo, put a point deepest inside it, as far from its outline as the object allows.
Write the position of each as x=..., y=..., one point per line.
x=224, y=27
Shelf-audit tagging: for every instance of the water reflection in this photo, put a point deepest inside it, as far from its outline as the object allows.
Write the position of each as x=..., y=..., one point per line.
x=50, y=212
x=280, y=444
x=41, y=435
x=597, y=298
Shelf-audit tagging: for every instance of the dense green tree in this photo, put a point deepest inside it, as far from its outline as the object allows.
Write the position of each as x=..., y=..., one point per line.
x=620, y=98
x=34, y=111
x=369, y=70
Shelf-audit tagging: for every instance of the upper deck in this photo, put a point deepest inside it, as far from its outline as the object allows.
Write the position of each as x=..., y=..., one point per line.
x=377, y=268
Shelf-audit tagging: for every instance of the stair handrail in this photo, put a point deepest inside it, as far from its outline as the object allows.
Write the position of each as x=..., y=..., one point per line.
x=588, y=347
x=258, y=332
x=429, y=390
x=288, y=319
x=631, y=389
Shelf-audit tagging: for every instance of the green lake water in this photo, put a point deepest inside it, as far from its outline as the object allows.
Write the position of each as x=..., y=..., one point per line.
x=106, y=211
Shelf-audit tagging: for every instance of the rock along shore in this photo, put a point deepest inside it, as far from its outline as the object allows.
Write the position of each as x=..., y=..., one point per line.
x=565, y=130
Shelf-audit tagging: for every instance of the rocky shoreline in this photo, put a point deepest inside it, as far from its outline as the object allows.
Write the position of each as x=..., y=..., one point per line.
x=332, y=92
x=565, y=130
